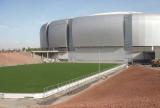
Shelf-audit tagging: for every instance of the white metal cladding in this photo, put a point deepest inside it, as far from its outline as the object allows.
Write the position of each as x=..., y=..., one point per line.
x=43, y=36
x=104, y=54
x=100, y=30
x=128, y=32
x=57, y=33
x=146, y=30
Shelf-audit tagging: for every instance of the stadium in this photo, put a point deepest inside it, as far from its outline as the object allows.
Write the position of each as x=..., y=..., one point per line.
x=115, y=37
x=83, y=62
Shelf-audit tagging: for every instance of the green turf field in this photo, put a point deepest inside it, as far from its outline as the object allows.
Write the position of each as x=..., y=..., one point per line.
x=33, y=78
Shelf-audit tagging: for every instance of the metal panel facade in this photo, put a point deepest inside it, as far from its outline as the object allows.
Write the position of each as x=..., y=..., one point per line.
x=69, y=36
x=146, y=30
x=57, y=34
x=43, y=36
x=101, y=30
x=128, y=32
x=92, y=54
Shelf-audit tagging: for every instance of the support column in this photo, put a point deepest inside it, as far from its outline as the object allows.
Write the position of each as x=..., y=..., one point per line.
x=157, y=54
x=42, y=56
x=47, y=55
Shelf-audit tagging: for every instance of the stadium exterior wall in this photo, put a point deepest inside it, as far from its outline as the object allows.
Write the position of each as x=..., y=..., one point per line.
x=118, y=36
x=43, y=36
x=99, y=30
x=57, y=34
x=146, y=30
x=101, y=54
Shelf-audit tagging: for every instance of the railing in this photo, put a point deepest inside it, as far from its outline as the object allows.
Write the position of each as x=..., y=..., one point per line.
x=59, y=85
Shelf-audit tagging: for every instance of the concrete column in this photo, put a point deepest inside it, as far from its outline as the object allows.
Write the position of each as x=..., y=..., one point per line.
x=157, y=54
x=42, y=56
x=47, y=55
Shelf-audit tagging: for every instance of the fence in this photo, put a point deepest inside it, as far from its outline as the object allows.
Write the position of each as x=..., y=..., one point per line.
x=68, y=84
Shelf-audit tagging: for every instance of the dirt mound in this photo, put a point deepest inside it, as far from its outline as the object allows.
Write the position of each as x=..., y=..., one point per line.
x=136, y=87
x=15, y=58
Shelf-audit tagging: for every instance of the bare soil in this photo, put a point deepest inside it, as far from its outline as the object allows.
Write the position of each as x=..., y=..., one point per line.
x=17, y=58
x=135, y=87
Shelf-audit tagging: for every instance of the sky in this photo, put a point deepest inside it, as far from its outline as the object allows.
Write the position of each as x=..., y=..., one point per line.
x=20, y=20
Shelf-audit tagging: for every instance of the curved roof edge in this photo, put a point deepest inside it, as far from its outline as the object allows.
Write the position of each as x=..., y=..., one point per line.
x=107, y=13
x=114, y=13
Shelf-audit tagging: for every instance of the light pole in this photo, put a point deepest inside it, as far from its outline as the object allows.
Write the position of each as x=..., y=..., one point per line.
x=99, y=65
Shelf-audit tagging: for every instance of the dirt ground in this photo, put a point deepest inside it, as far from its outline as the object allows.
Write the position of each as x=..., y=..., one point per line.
x=136, y=87
x=16, y=58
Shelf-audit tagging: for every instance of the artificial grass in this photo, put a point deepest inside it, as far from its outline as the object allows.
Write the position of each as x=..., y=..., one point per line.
x=35, y=77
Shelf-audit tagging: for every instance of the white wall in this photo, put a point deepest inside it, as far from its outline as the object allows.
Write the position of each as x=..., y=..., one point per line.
x=108, y=54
